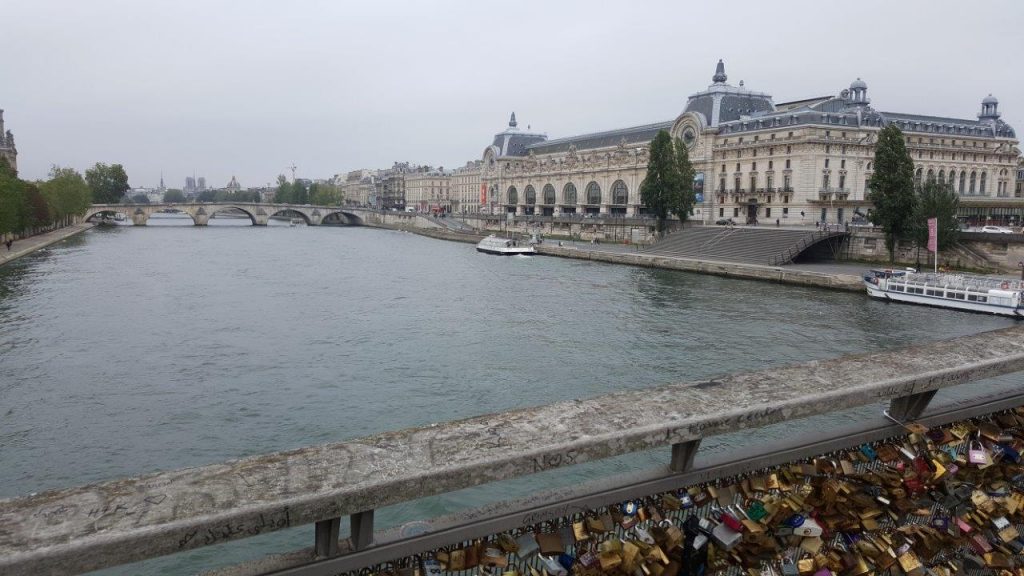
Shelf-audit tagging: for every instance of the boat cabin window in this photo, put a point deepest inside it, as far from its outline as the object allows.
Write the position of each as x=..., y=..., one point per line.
x=976, y=298
x=898, y=288
x=956, y=295
x=931, y=292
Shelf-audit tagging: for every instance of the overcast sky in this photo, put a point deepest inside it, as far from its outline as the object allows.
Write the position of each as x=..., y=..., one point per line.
x=218, y=88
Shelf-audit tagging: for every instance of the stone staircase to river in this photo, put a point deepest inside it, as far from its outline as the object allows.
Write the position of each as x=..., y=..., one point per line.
x=749, y=245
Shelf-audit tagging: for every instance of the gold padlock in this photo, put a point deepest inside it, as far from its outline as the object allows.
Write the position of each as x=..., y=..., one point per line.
x=910, y=564
x=579, y=531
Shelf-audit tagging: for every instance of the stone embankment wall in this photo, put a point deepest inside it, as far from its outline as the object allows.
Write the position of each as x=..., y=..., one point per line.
x=611, y=229
x=996, y=252
x=779, y=274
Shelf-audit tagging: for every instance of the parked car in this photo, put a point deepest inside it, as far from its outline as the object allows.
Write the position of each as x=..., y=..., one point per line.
x=996, y=230
x=724, y=221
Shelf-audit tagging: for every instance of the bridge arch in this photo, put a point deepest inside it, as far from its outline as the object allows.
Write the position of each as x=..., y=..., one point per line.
x=350, y=218
x=97, y=211
x=212, y=210
x=290, y=211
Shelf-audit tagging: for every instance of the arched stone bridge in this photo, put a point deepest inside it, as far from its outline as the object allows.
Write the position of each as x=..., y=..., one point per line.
x=258, y=213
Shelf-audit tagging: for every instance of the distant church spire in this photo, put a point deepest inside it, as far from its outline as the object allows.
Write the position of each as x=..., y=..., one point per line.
x=512, y=121
x=719, y=77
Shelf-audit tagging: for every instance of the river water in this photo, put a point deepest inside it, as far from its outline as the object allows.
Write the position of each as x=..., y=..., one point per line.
x=128, y=350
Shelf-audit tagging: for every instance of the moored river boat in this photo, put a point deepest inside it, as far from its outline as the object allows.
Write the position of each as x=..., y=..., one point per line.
x=504, y=247
x=958, y=291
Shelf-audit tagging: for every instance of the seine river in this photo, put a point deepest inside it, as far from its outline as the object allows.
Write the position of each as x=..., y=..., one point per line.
x=129, y=350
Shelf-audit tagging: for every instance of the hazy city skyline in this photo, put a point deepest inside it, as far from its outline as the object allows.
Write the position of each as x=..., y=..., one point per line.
x=220, y=89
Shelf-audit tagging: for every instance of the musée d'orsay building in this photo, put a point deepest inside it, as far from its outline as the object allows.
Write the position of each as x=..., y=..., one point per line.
x=757, y=160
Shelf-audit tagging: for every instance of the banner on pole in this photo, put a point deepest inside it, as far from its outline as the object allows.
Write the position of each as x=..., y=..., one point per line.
x=933, y=235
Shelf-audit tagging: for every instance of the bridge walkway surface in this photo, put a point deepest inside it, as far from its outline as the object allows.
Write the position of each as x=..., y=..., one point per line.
x=752, y=245
x=121, y=521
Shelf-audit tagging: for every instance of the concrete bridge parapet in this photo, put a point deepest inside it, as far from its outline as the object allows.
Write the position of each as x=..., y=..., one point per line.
x=259, y=214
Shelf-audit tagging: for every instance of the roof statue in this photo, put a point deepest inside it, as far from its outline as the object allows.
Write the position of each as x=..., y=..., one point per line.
x=512, y=121
x=719, y=77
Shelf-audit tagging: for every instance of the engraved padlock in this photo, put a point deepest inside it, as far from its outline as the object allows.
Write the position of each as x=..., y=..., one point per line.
x=977, y=455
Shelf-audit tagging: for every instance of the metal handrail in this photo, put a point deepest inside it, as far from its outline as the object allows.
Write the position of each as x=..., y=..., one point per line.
x=110, y=523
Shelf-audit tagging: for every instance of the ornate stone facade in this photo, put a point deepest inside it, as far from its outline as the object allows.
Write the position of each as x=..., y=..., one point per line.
x=757, y=161
x=428, y=190
x=7, y=149
x=466, y=187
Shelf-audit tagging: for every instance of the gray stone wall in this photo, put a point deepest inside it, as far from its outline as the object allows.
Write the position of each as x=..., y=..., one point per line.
x=998, y=254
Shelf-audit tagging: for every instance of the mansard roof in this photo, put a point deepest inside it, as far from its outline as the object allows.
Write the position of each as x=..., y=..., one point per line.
x=513, y=142
x=845, y=112
x=633, y=135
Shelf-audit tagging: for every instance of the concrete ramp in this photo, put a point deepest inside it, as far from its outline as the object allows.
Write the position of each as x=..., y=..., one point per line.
x=766, y=246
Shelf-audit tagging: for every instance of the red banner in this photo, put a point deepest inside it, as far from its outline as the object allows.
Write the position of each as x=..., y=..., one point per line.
x=483, y=194
x=933, y=235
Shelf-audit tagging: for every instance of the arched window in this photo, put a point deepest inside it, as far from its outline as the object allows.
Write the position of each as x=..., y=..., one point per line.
x=973, y=177
x=942, y=176
x=918, y=175
x=569, y=194
x=513, y=195
x=549, y=194
x=593, y=193
x=981, y=189
x=963, y=182
x=931, y=176
x=531, y=195
x=620, y=194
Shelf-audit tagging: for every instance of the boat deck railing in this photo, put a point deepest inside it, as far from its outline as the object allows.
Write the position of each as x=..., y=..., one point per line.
x=961, y=282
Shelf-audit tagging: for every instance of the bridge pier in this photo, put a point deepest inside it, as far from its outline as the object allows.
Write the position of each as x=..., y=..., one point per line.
x=139, y=218
x=200, y=217
x=260, y=219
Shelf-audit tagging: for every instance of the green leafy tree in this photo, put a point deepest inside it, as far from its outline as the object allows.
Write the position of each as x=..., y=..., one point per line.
x=937, y=201
x=66, y=193
x=284, y=190
x=663, y=181
x=325, y=194
x=892, y=188
x=173, y=196
x=685, y=197
x=108, y=183
x=38, y=208
x=140, y=199
x=207, y=196
x=300, y=192
x=14, y=206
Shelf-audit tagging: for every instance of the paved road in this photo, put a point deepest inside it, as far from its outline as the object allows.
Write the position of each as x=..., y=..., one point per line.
x=29, y=245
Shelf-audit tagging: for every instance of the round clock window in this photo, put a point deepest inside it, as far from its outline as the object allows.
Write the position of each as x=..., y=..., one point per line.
x=689, y=136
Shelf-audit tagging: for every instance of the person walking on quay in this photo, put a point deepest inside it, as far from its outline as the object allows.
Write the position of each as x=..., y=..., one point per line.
x=8, y=244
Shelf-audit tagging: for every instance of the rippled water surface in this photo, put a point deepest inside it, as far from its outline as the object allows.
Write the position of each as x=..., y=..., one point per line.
x=128, y=350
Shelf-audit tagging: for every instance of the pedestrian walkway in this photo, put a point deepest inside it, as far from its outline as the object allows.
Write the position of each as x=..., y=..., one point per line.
x=29, y=245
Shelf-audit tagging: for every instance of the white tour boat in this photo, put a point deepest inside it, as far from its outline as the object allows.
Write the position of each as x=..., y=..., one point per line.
x=958, y=291
x=504, y=246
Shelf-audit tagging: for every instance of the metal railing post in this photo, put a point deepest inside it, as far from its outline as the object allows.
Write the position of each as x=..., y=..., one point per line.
x=683, y=454
x=361, y=532
x=911, y=406
x=327, y=537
